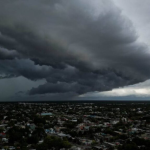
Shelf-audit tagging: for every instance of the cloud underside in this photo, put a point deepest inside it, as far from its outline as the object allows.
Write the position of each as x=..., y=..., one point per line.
x=78, y=46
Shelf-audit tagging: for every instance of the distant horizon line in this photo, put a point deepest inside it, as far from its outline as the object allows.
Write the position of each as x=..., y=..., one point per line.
x=79, y=101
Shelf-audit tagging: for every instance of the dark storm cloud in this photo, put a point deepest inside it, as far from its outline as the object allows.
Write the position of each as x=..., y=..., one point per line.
x=6, y=54
x=78, y=46
x=23, y=67
x=43, y=50
x=81, y=82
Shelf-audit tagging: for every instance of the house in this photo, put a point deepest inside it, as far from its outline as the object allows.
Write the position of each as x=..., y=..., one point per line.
x=3, y=135
x=97, y=148
x=63, y=135
x=51, y=131
x=5, y=140
x=86, y=128
x=74, y=120
x=75, y=148
x=109, y=144
x=46, y=114
x=32, y=126
x=86, y=141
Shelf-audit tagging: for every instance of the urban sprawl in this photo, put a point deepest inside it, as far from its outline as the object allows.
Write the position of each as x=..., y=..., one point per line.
x=75, y=126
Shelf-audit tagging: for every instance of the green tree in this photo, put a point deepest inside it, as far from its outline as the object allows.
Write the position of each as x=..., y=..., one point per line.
x=33, y=139
x=42, y=146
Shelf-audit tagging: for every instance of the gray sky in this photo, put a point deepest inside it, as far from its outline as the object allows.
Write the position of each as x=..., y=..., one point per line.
x=76, y=49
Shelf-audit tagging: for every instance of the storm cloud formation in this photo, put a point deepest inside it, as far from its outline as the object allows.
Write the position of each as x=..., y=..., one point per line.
x=78, y=46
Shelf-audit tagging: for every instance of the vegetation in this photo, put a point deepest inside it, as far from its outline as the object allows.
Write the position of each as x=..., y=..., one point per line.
x=53, y=141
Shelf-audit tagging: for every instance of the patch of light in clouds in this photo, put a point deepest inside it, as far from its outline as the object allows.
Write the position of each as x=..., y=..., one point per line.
x=137, y=11
x=137, y=90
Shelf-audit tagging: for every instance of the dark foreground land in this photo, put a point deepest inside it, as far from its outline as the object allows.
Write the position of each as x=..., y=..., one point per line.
x=75, y=126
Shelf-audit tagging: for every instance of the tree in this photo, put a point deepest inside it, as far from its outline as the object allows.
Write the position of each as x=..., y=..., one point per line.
x=42, y=146
x=33, y=139
x=93, y=143
x=53, y=141
x=39, y=132
x=1, y=129
x=66, y=144
x=16, y=134
x=128, y=146
x=38, y=120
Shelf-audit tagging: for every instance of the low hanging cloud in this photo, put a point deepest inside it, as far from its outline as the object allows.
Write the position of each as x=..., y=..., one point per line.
x=140, y=91
x=78, y=46
x=7, y=54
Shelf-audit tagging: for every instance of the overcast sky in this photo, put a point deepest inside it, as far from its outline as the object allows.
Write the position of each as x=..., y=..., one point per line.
x=76, y=49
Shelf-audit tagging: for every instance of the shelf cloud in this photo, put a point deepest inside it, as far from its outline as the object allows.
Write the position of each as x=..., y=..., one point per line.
x=77, y=46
